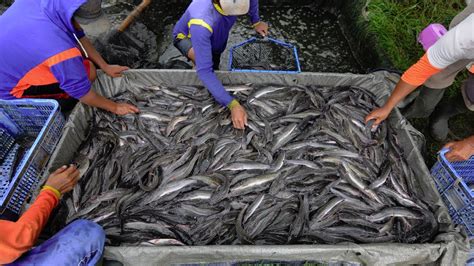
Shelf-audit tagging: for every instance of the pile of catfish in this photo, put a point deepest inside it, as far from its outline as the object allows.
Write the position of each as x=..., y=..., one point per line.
x=306, y=170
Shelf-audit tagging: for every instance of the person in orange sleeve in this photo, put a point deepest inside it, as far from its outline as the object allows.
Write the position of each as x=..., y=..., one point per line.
x=79, y=243
x=436, y=70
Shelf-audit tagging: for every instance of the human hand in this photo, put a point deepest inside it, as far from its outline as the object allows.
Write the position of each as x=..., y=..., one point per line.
x=379, y=115
x=124, y=109
x=63, y=179
x=114, y=70
x=239, y=117
x=460, y=150
x=262, y=28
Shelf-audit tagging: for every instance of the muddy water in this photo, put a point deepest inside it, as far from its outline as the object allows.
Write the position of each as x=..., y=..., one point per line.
x=321, y=44
x=136, y=48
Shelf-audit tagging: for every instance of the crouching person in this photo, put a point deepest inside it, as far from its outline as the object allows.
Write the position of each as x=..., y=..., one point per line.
x=79, y=243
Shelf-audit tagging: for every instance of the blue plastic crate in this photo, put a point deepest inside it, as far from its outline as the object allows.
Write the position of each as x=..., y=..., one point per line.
x=7, y=167
x=41, y=121
x=6, y=143
x=453, y=181
x=249, y=53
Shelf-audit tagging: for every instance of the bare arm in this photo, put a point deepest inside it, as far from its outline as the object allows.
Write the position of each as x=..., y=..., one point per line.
x=94, y=56
x=96, y=100
x=401, y=91
x=111, y=70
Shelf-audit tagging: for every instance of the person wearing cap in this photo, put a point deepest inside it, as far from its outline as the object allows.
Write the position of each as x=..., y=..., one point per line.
x=436, y=70
x=79, y=243
x=45, y=54
x=201, y=35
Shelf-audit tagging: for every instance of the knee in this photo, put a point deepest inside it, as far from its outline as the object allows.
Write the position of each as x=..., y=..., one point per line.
x=191, y=54
x=90, y=231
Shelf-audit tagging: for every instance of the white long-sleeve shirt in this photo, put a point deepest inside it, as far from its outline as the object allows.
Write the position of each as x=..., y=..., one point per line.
x=455, y=45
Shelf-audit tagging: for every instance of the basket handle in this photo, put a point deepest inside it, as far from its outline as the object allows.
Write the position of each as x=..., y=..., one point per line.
x=442, y=153
x=442, y=159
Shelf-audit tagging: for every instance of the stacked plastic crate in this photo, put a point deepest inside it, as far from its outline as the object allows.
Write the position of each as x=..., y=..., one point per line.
x=29, y=132
x=455, y=183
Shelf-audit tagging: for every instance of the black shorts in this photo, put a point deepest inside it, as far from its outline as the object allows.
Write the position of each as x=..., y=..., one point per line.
x=184, y=45
x=51, y=91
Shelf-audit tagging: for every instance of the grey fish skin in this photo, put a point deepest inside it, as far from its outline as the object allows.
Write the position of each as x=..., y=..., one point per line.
x=285, y=137
x=308, y=143
x=241, y=234
x=359, y=184
x=172, y=124
x=220, y=159
x=183, y=171
x=103, y=217
x=307, y=170
x=170, y=168
x=398, y=188
x=208, y=180
x=279, y=162
x=265, y=219
x=198, y=211
x=259, y=93
x=253, y=207
x=253, y=182
x=393, y=212
x=197, y=195
x=381, y=179
x=359, y=205
x=265, y=107
x=240, y=166
x=154, y=116
x=407, y=202
x=168, y=189
x=200, y=141
x=327, y=208
x=160, y=227
x=306, y=163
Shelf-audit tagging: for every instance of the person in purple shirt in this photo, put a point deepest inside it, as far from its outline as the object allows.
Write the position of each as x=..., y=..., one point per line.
x=201, y=35
x=44, y=53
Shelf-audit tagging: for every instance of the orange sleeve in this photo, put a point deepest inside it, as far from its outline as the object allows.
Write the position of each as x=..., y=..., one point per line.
x=420, y=72
x=472, y=69
x=18, y=237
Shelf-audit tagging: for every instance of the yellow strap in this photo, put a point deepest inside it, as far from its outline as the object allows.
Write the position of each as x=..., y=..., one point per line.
x=233, y=104
x=219, y=9
x=199, y=22
x=55, y=191
x=255, y=25
x=181, y=36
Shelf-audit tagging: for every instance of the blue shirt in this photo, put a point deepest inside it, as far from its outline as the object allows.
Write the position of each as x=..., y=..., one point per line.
x=37, y=47
x=208, y=28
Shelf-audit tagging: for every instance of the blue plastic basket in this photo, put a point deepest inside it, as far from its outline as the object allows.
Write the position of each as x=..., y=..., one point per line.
x=7, y=167
x=248, y=51
x=42, y=121
x=453, y=181
x=6, y=143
